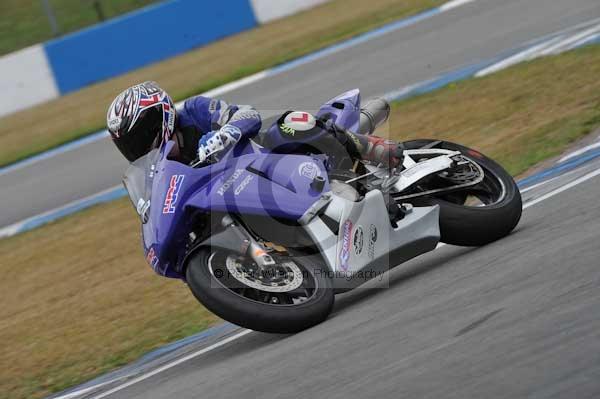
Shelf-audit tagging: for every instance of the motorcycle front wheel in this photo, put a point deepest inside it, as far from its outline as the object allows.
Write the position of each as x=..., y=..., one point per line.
x=476, y=215
x=287, y=298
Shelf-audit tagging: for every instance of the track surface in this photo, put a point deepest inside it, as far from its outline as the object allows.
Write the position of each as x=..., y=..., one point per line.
x=470, y=33
x=514, y=319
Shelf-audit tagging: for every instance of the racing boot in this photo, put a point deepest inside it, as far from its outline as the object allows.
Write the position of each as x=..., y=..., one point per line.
x=380, y=150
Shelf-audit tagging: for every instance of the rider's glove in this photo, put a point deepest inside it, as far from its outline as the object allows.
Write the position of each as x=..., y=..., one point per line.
x=217, y=141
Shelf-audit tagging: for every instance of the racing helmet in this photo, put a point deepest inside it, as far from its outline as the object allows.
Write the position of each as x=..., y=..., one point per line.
x=141, y=118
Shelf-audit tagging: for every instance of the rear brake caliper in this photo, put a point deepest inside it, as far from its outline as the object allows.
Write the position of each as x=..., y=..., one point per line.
x=462, y=172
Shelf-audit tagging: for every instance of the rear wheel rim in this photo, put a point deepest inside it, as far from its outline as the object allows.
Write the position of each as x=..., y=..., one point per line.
x=493, y=190
x=489, y=192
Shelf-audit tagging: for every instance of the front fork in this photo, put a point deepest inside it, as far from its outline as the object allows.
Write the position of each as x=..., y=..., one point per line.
x=250, y=246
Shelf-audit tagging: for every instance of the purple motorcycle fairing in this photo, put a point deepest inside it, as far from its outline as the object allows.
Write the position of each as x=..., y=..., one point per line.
x=345, y=109
x=249, y=180
x=254, y=183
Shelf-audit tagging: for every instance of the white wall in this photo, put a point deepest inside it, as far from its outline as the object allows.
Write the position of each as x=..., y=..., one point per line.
x=25, y=80
x=268, y=10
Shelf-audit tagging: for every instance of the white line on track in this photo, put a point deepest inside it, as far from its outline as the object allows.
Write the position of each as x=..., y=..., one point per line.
x=565, y=43
x=558, y=42
x=17, y=227
x=226, y=88
x=168, y=366
x=517, y=58
x=453, y=4
x=559, y=190
x=83, y=391
x=523, y=191
x=579, y=152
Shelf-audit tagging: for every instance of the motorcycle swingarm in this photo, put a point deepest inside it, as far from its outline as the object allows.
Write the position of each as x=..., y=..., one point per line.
x=415, y=171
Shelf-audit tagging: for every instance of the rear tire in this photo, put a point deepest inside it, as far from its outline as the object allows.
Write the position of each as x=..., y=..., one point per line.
x=475, y=226
x=252, y=314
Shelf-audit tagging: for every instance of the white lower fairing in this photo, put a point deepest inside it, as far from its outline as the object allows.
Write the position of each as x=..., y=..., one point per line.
x=366, y=244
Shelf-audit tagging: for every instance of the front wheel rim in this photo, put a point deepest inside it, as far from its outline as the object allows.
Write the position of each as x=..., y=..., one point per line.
x=290, y=291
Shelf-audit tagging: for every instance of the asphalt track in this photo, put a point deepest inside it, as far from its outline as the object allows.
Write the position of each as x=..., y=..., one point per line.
x=467, y=34
x=514, y=319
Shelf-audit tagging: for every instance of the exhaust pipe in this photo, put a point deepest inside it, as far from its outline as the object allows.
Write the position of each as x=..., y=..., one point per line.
x=372, y=115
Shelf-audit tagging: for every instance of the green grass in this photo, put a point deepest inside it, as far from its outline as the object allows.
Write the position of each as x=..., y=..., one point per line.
x=67, y=118
x=24, y=22
x=83, y=303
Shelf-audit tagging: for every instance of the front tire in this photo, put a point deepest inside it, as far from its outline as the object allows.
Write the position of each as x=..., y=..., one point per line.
x=248, y=308
x=465, y=225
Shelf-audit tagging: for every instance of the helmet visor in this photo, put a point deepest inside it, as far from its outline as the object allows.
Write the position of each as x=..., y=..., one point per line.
x=143, y=136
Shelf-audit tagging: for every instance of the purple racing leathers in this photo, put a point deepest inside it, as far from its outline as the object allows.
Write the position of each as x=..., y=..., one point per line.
x=200, y=115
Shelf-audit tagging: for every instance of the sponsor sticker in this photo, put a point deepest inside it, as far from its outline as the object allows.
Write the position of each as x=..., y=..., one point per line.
x=172, y=193
x=229, y=182
x=142, y=208
x=287, y=130
x=420, y=166
x=245, y=114
x=372, y=241
x=114, y=123
x=357, y=143
x=346, y=244
x=358, y=240
x=152, y=259
x=170, y=117
x=212, y=106
x=309, y=170
x=243, y=184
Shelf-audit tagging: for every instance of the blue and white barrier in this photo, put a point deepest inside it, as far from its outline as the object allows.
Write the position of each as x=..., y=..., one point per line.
x=268, y=10
x=26, y=79
x=151, y=34
x=141, y=38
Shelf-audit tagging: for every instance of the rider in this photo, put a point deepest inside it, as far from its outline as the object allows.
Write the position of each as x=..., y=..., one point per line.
x=142, y=117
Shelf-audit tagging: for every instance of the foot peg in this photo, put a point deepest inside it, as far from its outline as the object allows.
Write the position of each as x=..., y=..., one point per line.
x=396, y=212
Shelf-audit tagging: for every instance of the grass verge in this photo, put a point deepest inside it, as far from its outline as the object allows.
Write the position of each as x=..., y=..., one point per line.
x=48, y=125
x=79, y=299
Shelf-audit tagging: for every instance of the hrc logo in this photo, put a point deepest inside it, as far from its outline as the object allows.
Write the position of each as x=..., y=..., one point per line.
x=172, y=193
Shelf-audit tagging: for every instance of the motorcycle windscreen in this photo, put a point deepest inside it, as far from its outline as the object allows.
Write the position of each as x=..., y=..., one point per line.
x=138, y=182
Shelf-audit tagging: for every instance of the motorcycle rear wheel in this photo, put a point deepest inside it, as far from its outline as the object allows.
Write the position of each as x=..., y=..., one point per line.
x=463, y=224
x=282, y=306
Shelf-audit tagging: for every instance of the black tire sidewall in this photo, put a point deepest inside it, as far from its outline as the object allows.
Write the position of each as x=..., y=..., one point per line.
x=473, y=226
x=255, y=315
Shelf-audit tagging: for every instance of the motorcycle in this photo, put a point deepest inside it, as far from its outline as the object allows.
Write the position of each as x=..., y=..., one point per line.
x=265, y=239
